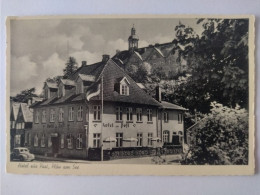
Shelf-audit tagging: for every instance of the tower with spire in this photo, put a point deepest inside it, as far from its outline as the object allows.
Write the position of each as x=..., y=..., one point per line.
x=133, y=40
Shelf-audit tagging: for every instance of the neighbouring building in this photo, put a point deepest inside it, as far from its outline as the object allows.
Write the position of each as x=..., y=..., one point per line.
x=66, y=124
x=21, y=118
x=165, y=56
x=13, y=117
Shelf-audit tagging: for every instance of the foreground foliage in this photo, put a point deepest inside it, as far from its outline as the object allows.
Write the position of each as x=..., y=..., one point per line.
x=221, y=138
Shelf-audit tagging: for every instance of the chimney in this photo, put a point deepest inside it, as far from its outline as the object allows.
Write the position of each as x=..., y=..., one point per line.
x=84, y=63
x=158, y=94
x=105, y=58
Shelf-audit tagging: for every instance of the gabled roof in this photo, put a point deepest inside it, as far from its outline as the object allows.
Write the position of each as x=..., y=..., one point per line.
x=111, y=74
x=26, y=112
x=94, y=69
x=139, y=56
x=164, y=50
x=168, y=105
x=86, y=77
x=51, y=84
x=68, y=82
x=141, y=85
x=159, y=51
x=15, y=109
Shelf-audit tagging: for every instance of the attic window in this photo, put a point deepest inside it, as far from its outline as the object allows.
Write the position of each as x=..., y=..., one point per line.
x=124, y=86
x=124, y=89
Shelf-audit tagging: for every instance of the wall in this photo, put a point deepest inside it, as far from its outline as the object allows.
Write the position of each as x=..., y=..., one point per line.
x=129, y=129
x=173, y=126
x=67, y=127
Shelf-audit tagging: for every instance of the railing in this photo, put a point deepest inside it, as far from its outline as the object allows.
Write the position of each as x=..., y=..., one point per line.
x=132, y=152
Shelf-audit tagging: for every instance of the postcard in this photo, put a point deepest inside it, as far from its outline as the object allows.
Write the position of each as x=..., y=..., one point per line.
x=130, y=95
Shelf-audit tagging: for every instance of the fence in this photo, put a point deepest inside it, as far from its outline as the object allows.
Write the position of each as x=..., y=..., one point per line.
x=131, y=152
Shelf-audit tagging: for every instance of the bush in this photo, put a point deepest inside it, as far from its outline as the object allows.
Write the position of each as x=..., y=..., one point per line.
x=221, y=138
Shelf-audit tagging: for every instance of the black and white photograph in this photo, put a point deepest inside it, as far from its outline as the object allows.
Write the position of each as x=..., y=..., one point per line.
x=169, y=92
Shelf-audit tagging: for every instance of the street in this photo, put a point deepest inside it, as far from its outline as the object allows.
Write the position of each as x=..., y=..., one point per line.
x=164, y=159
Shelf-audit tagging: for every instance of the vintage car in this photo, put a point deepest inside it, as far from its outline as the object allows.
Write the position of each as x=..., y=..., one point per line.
x=22, y=154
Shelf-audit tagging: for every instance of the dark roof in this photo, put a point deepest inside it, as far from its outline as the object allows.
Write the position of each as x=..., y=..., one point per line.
x=94, y=70
x=163, y=49
x=111, y=74
x=168, y=105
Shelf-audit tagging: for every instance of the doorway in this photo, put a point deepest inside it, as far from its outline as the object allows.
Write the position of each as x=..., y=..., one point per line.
x=55, y=145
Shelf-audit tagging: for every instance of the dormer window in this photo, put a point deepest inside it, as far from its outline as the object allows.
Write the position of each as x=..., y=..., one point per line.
x=124, y=86
x=124, y=89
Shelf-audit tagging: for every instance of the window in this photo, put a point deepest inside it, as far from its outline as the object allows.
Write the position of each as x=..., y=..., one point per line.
x=150, y=137
x=139, y=139
x=71, y=113
x=119, y=113
x=166, y=136
x=60, y=90
x=124, y=89
x=79, y=141
x=29, y=139
x=96, y=140
x=12, y=124
x=97, y=113
x=18, y=139
x=43, y=141
x=69, y=141
x=62, y=141
x=119, y=139
x=18, y=125
x=36, y=140
x=129, y=114
x=179, y=118
x=22, y=126
x=149, y=115
x=165, y=117
x=180, y=136
x=44, y=116
x=46, y=93
x=49, y=142
x=79, y=87
x=139, y=114
x=52, y=117
x=37, y=116
x=80, y=114
x=25, y=139
x=61, y=115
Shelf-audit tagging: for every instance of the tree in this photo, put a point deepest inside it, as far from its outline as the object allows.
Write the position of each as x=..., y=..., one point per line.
x=140, y=73
x=24, y=95
x=221, y=138
x=54, y=79
x=218, y=60
x=71, y=67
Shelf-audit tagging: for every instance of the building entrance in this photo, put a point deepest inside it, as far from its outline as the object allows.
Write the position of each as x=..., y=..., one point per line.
x=55, y=145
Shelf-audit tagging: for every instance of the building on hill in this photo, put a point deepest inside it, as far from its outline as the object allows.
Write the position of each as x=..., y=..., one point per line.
x=161, y=56
x=66, y=124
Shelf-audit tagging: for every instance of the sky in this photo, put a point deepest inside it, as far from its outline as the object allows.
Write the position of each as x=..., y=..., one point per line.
x=41, y=47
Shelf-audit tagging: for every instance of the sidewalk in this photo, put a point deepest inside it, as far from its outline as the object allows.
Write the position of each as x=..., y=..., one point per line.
x=168, y=159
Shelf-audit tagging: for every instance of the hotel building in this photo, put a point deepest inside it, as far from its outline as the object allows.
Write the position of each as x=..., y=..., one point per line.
x=66, y=124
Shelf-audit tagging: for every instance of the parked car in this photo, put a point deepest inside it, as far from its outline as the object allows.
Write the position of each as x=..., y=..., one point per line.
x=22, y=154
